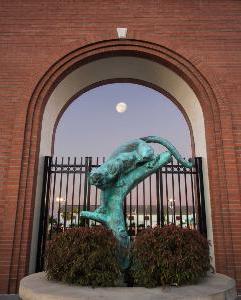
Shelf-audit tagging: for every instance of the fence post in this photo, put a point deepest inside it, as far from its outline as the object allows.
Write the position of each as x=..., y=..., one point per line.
x=43, y=218
x=158, y=198
x=88, y=187
x=201, y=198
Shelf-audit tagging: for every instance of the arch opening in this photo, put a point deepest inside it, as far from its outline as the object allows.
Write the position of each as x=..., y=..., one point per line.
x=129, y=68
x=150, y=111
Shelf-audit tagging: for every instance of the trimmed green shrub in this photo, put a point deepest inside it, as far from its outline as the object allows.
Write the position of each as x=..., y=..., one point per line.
x=169, y=255
x=83, y=256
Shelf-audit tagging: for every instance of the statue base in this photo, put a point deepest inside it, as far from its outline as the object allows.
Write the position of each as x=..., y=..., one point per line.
x=216, y=286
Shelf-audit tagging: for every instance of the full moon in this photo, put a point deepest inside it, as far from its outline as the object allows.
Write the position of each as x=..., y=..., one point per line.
x=121, y=107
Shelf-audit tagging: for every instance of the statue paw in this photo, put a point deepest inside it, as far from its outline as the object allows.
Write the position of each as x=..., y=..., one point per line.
x=95, y=216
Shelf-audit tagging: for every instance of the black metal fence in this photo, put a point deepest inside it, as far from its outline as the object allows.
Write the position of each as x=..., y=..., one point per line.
x=173, y=194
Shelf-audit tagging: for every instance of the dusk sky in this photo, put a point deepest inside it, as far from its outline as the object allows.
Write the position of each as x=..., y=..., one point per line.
x=91, y=126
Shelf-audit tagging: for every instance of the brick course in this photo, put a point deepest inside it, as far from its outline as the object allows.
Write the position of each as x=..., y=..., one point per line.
x=41, y=41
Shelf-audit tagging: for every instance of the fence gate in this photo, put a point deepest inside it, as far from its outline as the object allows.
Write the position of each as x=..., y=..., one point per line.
x=173, y=195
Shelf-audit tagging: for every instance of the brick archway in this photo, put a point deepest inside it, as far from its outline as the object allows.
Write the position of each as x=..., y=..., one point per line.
x=214, y=109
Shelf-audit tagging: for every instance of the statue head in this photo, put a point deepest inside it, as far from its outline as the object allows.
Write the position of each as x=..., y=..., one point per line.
x=105, y=174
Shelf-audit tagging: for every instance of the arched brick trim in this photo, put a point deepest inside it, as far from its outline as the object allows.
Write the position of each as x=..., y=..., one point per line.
x=214, y=109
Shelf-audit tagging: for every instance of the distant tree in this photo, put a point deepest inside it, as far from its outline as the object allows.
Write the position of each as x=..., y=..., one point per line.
x=66, y=215
x=52, y=220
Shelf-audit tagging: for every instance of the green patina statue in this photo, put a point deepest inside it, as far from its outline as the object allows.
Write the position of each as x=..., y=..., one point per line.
x=127, y=166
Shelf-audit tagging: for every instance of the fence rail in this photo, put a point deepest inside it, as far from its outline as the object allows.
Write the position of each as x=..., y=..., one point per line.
x=173, y=194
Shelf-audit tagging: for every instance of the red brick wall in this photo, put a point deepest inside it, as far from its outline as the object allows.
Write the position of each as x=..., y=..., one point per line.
x=204, y=41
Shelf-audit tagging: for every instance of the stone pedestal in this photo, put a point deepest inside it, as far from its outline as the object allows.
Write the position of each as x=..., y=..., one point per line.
x=37, y=287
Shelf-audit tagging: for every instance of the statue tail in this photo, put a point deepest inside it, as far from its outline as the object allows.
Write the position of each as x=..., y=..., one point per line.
x=170, y=147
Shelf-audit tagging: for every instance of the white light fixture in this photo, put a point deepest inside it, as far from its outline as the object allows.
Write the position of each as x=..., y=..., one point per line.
x=59, y=199
x=122, y=33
